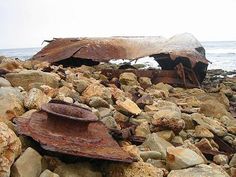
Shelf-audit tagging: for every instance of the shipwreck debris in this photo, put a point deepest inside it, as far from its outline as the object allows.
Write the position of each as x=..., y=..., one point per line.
x=69, y=129
x=182, y=57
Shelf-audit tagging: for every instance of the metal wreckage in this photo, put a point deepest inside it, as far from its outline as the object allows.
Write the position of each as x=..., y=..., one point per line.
x=72, y=130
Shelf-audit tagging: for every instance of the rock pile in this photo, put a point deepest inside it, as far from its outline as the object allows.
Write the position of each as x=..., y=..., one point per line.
x=180, y=132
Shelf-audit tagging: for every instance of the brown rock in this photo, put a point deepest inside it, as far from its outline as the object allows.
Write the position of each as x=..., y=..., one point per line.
x=4, y=82
x=202, y=132
x=128, y=79
x=128, y=106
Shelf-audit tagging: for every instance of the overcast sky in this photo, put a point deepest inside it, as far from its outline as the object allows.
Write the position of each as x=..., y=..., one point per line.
x=26, y=23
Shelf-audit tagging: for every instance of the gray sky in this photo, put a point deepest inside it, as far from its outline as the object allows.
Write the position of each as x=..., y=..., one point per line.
x=26, y=23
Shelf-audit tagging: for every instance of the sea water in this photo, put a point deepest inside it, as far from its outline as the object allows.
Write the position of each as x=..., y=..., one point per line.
x=221, y=54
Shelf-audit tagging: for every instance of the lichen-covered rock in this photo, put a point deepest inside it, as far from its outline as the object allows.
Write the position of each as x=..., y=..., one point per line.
x=98, y=102
x=80, y=85
x=10, y=148
x=29, y=164
x=35, y=99
x=143, y=129
x=128, y=106
x=137, y=169
x=128, y=79
x=178, y=158
x=77, y=170
x=27, y=77
x=11, y=103
x=48, y=173
x=200, y=171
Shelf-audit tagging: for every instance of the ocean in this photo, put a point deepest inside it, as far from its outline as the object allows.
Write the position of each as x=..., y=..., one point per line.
x=222, y=54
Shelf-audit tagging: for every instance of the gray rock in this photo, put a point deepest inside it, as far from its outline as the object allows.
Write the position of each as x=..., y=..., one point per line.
x=127, y=78
x=200, y=171
x=110, y=122
x=145, y=155
x=28, y=164
x=178, y=158
x=4, y=82
x=98, y=102
x=48, y=173
x=221, y=159
x=80, y=85
x=156, y=143
x=232, y=162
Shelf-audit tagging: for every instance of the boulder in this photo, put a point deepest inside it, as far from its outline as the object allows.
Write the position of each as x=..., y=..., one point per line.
x=35, y=98
x=77, y=170
x=4, y=82
x=155, y=143
x=11, y=103
x=29, y=164
x=48, y=173
x=128, y=106
x=178, y=158
x=127, y=78
x=10, y=149
x=27, y=77
x=200, y=171
x=137, y=169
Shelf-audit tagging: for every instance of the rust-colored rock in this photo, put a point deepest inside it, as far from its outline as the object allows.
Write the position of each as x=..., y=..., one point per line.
x=72, y=130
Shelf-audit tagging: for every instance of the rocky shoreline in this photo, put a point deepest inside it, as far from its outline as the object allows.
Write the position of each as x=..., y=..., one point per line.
x=185, y=132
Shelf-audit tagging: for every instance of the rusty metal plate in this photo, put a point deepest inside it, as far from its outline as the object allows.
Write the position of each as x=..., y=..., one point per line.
x=71, y=130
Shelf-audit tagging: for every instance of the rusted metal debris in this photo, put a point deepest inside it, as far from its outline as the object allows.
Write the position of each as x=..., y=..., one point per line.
x=69, y=129
x=181, y=49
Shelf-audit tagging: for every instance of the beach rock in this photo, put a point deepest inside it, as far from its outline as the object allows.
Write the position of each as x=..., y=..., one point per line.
x=10, y=64
x=77, y=170
x=127, y=78
x=27, y=77
x=199, y=171
x=145, y=82
x=98, y=102
x=97, y=90
x=80, y=85
x=68, y=99
x=10, y=149
x=110, y=122
x=143, y=129
x=166, y=134
x=48, y=173
x=178, y=158
x=35, y=98
x=209, y=123
x=145, y=155
x=144, y=100
x=28, y=164
x=221, y=159
x=11, y=103
x=4, y=82
x=202, y=132
x=128, y=106
x=137, y=169
x=133, y=151
x=177, y=140
x=232, y=162
x=155, y=143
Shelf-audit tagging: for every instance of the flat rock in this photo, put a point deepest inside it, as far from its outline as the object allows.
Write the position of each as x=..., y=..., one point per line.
x=35, y=98
x=178, y=158
x=27, y=77
x=200, y=171
x=137, y=169
x=11, y=103
x=98, y=102
x=10, y=148
x=48, y=173
x=4, y=82
x=128, y=106
x=128, y=78
x=77, y=170
x=155, y=143
x=28, y=164
x=202, y=132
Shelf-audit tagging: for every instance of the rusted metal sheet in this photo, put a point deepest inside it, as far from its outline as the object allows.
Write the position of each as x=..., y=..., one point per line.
x=69, y=129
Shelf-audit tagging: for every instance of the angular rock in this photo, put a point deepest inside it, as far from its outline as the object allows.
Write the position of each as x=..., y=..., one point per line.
x=27, y=77
x=137, y=169
x=4, y=82
x=143, y=129
x=145, y=81
x=110, y=122
x=199, y=171
x=202, y=132
x=28, y=164
x=80, y=85
x=128, y=79
x=98, y=102
x=48, y=173
x=178, y=158
x=77, y=170
x=144, y=100
x=10, y=148
x=35, y=99
x=128, y=106
x=150, y=155
x=232, y=162
x=155, y=143
x=11, y=103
